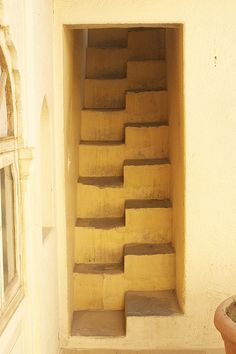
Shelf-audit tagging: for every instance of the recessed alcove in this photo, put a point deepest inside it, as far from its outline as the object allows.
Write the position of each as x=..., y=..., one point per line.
x=124, y=151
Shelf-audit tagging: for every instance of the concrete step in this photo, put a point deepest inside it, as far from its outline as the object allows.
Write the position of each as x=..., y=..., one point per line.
x=100, y=196
x=141, y=107
x=107, y=37
x=97, y=159
x=103, y=240
x=107, y=93
x=147, y=179
x=146, y=75
x=106, y=237
x=105, y=196
x=98, y=287
x=158, y=229
x=98, y=323
x=155, y=264
x=146, y=44
x=102, y=125
x=106, y=62
x=151, y=303
x=146, y=141
x=147, y=106
x=103, y=286
x=142, y=141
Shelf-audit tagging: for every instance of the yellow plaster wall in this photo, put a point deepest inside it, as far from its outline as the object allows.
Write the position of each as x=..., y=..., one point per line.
x=73, y=64
x=174, y=56
x=210, y=185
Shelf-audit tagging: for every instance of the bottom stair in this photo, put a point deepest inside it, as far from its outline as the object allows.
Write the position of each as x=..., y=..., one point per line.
x=105, y=323
x=98, y=323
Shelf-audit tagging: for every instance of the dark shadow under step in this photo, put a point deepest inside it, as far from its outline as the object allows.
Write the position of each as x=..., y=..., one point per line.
x=98, y=268
x=100, y=223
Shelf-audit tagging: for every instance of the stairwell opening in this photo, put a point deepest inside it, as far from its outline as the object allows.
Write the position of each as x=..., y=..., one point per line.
x=124, y=147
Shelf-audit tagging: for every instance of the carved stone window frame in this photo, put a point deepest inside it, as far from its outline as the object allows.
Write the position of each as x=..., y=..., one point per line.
x=11, y=295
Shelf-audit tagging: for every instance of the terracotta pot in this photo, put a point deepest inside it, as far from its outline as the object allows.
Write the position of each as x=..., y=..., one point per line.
x=226, y=326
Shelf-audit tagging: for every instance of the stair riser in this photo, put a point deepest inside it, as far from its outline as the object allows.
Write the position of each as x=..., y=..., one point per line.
x=141, y=182
x=156, y=230
x=95, y=202
x=151, y=105
x=106, y=291
x=147, y=44
x=108, y=160
x=148, y=181
x=111, y=93
x=99, y=246
x=99, y=291
x=146, y=143
x=149, y=75
x=101, y=160
x=106, y=62
x=106, y=246
x=99, y=94
x=109, y=37
x=102, y=126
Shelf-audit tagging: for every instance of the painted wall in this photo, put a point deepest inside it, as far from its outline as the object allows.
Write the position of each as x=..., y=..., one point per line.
x=210, y=198
x=174, y=59
x=34, y=327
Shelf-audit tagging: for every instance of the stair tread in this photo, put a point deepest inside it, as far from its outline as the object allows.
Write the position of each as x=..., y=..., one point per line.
x=147, y=203
x=103, y=109
x=148, y=249
x=144, y=162
x=146, y=125
x=151, y=303
x=101, y=143
x=98, y=268
x=98, y=323
x=102, y=181
x=144, y=90
x=100, y=223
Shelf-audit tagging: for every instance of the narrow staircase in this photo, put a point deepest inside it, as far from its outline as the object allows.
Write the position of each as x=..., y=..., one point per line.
x=124, y=258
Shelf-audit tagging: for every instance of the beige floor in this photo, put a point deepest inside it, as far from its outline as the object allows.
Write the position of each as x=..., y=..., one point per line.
x=101, y=351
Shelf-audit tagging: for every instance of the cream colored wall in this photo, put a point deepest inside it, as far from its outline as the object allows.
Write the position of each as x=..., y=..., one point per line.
x=73, y=64
x=34, y=327
x=174, y=57
x=210, y=200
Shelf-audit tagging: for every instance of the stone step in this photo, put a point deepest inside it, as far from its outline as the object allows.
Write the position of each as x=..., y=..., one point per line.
x=147, y=74
x=155, y=264
x=147, y=44
x=158, y=229
x=147, y=106
x=106, y=62
x=101, y=159
x=103, y=286
x=100, y=196
x=142, y=141
x=106, y=93
x=106, y=237
x=107, y=37
x=141, y=107
x=148, y=141
x=151, y=303
x=99, y=125
x=103, y=242
x=105, y=196
x=100, y=223
x=98, y=287
x=98, y=323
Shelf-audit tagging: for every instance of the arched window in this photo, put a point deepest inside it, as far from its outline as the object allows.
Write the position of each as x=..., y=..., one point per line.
x=10, y=265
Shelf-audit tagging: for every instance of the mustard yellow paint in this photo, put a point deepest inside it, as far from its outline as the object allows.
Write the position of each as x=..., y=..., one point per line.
x=106, y=291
